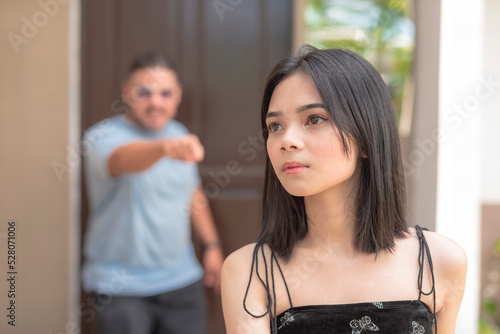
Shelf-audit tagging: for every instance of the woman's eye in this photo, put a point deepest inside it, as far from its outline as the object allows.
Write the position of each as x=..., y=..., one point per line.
x=316, y=120
x=273, y=127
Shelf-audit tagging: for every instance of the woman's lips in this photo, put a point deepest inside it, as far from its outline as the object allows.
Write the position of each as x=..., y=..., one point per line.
x=294, y=167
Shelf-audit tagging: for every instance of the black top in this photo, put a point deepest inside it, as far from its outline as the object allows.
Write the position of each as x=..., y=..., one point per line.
x=394, y=317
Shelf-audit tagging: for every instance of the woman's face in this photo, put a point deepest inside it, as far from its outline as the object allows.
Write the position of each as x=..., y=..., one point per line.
x=304, y=146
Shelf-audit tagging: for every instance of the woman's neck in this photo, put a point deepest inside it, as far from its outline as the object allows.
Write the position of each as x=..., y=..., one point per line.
x=330, y=222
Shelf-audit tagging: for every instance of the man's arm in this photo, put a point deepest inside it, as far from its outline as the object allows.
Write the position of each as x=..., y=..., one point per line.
x=204, y=227
x=139, y=156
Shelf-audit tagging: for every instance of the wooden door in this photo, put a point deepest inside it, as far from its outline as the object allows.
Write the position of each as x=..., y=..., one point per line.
x=224, y=51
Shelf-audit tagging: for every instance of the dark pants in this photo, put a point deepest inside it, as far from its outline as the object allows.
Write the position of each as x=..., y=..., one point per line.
x=180, y=311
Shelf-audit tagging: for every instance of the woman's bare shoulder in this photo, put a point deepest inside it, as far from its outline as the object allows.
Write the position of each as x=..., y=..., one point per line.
x=240, y=292
x=239, y=259
x=239, y=262
x=244, y=255
x=447, y=255
x=450, y=267
x=242, y=262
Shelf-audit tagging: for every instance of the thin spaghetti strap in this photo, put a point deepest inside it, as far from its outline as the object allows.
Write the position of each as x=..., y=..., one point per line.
x=255, y=262
x=423, y=251
x=274, y=323
x=271, y=305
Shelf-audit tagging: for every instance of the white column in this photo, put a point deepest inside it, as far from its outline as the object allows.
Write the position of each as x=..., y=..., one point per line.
x=463, y=89
x=491, y=119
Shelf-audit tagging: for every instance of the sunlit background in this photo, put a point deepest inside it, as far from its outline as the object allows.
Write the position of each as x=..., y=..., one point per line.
x=381, y=31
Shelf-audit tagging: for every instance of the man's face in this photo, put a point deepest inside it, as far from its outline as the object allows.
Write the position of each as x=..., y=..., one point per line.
x=153, y=95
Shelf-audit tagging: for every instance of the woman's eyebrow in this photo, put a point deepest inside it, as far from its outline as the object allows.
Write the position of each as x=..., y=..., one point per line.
x=299, y=109
x=273, y=114
x=310, y=106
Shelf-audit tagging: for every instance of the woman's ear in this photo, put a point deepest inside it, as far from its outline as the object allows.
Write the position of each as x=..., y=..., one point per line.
x=364, y=155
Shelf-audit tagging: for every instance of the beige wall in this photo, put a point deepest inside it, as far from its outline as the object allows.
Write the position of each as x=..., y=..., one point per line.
x=421, y=162
x=35, y=110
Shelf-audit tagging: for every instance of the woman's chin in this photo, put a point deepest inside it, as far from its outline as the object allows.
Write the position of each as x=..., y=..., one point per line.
x=297, y=191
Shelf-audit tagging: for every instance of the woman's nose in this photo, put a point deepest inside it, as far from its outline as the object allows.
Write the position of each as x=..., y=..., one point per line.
x=292, y=139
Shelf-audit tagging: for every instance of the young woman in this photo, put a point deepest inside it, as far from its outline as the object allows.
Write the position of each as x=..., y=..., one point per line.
x=334, y=253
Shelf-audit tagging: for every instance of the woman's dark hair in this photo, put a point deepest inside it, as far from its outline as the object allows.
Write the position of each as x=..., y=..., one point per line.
x=359, y=103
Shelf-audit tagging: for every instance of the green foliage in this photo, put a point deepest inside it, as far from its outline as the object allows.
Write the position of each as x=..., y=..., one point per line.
x=489, y=322
x=487, y=328
x=376, y=29
x=490, y=307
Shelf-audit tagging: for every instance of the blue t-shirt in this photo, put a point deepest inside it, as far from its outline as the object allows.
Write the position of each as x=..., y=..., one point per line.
x=138, y=239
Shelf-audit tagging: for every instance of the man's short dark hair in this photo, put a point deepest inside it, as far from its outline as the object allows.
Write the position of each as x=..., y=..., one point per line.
x=151, y=59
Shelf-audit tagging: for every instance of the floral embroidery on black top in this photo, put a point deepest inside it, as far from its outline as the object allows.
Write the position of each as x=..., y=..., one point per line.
x=364, y=324
x=391, y=317
x=285, y=319
x=417, y=328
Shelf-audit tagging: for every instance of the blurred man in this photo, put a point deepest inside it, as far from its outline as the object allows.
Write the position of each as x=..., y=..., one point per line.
x=144, y=190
